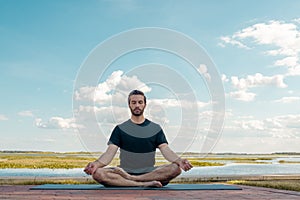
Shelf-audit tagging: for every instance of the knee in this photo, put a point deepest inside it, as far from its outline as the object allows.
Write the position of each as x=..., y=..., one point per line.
x=176, y=169
x=99, y=175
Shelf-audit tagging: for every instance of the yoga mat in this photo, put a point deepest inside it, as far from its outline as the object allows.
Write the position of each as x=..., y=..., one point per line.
x=167, y=187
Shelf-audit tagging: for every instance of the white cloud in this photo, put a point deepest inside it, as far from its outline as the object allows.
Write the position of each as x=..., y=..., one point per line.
x=251, y=81
x=288, y=100
x=165, y=102
x=297, y=20
x=114, y=114
x=26, y=113
x=257, y=145
x=98, y=111
x=57, y=123
x=181, y=104
x=258, y=80
x=284, y=37
x=283, y=126
x=290, y=61
x=294, y=71
x=3, y=117
x=230, y=40
x=242, y=95
x=224, y=78
x=203, y=71
x=252, y=125
x=104, y=114
x=115, y=87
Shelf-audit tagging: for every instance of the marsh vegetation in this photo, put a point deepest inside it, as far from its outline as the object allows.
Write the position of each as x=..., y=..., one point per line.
x=53, y=160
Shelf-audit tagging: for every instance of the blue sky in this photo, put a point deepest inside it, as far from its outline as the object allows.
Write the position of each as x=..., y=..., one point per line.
x=254, y=45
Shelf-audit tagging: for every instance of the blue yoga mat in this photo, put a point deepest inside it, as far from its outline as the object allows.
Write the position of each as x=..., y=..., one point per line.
x=167, y=187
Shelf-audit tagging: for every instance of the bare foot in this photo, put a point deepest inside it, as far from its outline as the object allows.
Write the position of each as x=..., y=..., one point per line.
x=153, y=184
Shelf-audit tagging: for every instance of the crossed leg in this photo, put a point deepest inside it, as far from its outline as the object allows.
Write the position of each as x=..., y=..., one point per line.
x=118, y=177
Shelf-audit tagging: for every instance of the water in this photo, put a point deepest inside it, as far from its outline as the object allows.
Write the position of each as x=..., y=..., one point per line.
x=76, y=172
x=246, y=169
x=226, y=170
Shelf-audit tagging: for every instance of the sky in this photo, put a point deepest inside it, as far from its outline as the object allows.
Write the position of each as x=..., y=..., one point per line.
x=66, y=68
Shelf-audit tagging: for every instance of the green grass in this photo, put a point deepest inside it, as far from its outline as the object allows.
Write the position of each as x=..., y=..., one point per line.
x=35, y=162
x=197, y=163
x=288, y=162
x=293, y=185
x=45, y=181
x=50, y=160
x=53, y=160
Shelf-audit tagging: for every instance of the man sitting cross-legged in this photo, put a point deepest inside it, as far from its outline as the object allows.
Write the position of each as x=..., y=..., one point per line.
x=137, y=139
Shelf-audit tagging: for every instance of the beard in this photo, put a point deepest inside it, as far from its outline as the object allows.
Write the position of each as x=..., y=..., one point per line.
x=137, y=112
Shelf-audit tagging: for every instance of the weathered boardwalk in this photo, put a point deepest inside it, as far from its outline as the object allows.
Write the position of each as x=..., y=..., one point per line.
x=23, y=192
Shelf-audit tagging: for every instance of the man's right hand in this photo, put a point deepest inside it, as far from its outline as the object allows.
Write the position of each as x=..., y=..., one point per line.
x=91, y=168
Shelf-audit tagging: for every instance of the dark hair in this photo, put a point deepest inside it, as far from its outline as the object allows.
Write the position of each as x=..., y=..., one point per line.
x=136, y=92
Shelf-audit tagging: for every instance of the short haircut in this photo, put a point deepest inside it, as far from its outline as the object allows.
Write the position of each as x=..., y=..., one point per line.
x=136, y=92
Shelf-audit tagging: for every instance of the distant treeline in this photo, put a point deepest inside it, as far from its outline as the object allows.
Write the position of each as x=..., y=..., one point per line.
x=185, y=153
x=288, y=153
x=43, y=152
x=18, y=151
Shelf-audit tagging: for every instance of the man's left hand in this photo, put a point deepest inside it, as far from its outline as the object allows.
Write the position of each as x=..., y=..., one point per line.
x=185, y=164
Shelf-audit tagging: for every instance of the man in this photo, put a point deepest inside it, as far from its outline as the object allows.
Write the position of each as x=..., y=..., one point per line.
x=137, y=139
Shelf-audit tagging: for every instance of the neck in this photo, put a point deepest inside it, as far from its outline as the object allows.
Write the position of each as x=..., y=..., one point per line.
x=137, y=119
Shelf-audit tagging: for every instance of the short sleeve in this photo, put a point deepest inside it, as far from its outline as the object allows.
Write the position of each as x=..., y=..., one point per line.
x=161, y=138
x=115, y=137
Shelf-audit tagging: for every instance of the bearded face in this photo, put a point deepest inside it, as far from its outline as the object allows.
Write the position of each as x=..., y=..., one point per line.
x=137, y=105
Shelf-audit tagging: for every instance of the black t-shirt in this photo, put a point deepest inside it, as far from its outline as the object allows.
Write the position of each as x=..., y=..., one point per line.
x=138, y=143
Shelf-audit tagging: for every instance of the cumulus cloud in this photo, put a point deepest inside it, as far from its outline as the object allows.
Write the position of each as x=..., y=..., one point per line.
x=3, y=117
x=100, y=108
x=103, y=114
x=252, y=125
x=283, y=37
x=288, y=100
x=57, y=123
x=283, y=126
x=224, y=78
x=297, y=20
x=252, y=81
x=258, y=80
x=26, y=113
x=203, y=71
x=242, y=95
x=291, y=61
x=293, y=71
x=230, y=40
x=116, y=85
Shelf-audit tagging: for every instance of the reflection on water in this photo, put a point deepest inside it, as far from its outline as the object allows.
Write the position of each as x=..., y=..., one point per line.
x=246, y=169
x=77, y=172
x=229, y=169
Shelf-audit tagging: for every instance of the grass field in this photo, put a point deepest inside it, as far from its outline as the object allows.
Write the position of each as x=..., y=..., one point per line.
x=36, y=160
x=293, y=185
x=52, y=160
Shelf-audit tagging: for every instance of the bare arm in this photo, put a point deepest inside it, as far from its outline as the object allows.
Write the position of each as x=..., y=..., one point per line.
x=171, y=156
x=103, y=160
x=108, y=155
